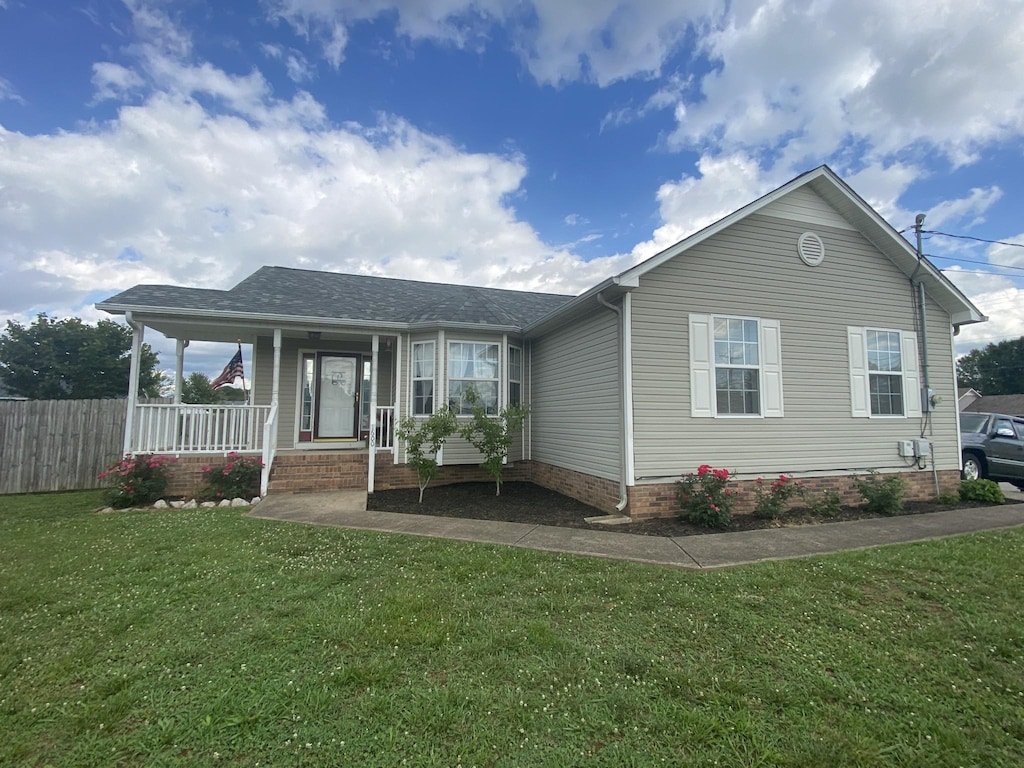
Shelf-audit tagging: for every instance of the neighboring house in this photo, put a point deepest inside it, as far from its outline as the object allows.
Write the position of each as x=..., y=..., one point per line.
x=965, y=396
x=1012, y=405
x=786, y=337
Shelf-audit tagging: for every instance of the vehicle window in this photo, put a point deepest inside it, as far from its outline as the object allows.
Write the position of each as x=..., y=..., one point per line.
x=1002, y=424
x=1019, y=426
x=972, y=422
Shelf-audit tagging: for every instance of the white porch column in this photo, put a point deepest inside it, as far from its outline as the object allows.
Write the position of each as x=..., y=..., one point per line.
x=397, y=397
x=179, y=367
x=371, y=438
x=276, y=392
x=138, y=330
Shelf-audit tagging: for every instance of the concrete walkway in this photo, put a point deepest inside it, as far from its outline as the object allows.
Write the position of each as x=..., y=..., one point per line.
x=348, y=510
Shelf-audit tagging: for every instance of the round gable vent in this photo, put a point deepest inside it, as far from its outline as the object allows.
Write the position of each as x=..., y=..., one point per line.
x=811, y=249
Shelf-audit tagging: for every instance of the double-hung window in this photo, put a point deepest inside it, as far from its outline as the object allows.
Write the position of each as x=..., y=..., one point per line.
x=472, y=366
x=515, y=376
x=735, y=366
x=422, y=378
x=884, y=378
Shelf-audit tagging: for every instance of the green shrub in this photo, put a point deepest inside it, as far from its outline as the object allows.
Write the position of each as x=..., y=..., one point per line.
x=137, y=480
x=705, y=499
x=770, y=499
x=492, y=435
x=948, y=499
x=423, y=439
x=986, y=491
x=828, y=504
x=237, y=477
x=883, y=493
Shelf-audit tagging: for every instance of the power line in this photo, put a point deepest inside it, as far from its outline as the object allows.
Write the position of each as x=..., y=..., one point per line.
x=978, y=239
x=975, y=261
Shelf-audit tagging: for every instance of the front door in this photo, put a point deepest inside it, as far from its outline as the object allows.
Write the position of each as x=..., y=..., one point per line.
x=337, y=396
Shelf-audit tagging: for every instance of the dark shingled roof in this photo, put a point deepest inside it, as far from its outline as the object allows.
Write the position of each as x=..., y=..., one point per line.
x=289, y=292
x=1008, y=404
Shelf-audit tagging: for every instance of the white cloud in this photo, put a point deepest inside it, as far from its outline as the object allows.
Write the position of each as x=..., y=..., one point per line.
x=113, y=81
x=596, y=40
x=808, y=77
x=8, y=92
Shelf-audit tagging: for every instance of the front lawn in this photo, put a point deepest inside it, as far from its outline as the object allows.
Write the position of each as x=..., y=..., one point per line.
x=202, y=637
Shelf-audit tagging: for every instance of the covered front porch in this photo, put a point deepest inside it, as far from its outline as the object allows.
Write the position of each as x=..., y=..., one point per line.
x=311, y=390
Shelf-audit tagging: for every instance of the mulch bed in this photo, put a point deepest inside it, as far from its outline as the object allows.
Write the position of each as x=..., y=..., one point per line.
x=522, y=502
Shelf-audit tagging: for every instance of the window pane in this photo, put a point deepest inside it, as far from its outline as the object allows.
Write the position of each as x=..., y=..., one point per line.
x=886, y=394
x=515, y=364
x=738, y=391
x=423, y=361
x=514, y=393
x=423, y=397
x=487, y=392
x=884, y=351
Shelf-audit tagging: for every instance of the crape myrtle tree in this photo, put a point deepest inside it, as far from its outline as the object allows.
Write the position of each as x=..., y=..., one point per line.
x=71, y=360
x=998, y=369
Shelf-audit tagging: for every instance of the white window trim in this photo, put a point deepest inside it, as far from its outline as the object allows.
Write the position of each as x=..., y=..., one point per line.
x=509, y=380
x=860, y=375
x=703, y=389
x=413, y=378
x=449, y=379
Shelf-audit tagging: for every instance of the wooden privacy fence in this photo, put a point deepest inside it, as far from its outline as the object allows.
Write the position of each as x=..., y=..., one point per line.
x=58, y=445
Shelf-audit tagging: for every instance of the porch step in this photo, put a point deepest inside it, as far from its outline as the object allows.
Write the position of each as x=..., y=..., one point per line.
x=319, y=471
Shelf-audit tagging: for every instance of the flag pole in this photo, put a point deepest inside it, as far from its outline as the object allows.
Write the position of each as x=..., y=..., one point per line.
x=245, y=390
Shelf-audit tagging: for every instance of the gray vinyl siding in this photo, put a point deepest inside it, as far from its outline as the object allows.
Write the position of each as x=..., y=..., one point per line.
x=752, y=269
x=576, y=413
x=291, y=353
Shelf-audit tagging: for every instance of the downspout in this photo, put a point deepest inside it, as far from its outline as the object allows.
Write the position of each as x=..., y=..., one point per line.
x=623, y=471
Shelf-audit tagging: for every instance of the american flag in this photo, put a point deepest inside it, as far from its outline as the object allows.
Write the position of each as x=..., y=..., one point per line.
x=233, y=370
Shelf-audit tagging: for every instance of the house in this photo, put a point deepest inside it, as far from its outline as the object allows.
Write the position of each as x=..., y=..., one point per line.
x=1012, y=405
x=965, y=396
x=800, y=334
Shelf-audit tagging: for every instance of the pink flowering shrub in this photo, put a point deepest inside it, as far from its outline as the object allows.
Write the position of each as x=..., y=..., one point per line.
x=136, y=480
x=770, y=499
x=704, y=497
x=237, y=477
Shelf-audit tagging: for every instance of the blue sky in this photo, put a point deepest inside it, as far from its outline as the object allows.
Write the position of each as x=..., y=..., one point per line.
x=536, y=145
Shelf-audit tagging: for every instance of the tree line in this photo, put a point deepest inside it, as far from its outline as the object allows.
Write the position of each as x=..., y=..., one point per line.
x=68, y=359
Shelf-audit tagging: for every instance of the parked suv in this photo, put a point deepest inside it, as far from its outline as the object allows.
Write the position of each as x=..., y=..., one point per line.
x=993, y=445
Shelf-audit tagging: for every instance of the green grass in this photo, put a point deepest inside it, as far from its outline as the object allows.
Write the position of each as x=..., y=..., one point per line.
x=204, y=637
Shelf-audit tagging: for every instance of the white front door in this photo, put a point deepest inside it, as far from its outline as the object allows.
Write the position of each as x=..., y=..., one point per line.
x=337, y=396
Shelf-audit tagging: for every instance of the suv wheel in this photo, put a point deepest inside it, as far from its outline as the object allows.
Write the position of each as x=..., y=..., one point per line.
x=973, y=468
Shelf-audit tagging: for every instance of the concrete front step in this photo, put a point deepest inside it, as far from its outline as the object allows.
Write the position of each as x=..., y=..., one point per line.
x=320, y=471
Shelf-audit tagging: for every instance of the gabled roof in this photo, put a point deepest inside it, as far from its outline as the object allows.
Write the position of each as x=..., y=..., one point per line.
x=300, y=294
x=847, y=203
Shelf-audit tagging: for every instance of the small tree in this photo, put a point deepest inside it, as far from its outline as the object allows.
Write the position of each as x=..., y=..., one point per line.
x=492, y=435
x=423, y=439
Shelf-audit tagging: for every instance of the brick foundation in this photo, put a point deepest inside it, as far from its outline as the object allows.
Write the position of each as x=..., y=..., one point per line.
x=659, y=500
x=185, y=476
x=596, y=491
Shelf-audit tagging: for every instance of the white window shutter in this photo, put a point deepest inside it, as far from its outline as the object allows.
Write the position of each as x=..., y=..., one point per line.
x=858, y=372
x=702, y=401
x=911, y=375
x=771, y=369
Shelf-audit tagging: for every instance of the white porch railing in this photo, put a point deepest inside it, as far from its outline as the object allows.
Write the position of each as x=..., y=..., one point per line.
x=170, y=428
x=385, y=436
x=269, y=448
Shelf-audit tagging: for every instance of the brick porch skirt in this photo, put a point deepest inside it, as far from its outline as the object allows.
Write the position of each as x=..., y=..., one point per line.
x=342, y=470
